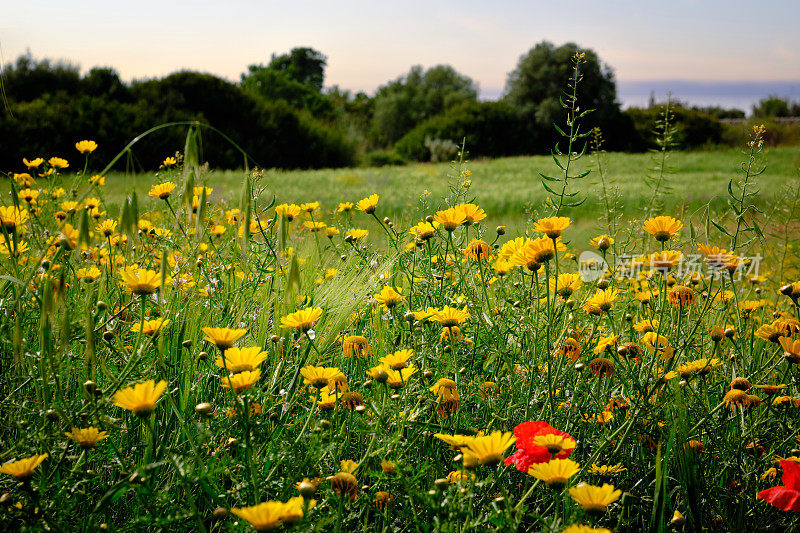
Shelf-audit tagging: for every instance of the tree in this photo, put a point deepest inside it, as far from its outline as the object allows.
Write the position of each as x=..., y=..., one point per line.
x=772, y=106
x=296, y=78
x=535, y=87
x=303, y=65
x=420, y=94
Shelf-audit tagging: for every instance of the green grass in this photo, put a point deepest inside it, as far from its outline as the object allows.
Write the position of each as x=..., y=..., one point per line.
x=507, y=188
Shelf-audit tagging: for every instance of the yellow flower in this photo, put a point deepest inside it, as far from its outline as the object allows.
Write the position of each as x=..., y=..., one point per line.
x=241, y=381
x=240, y=359
x=398, y=360
x=472, y=213
x=450, y=316
x=488, y=449
x=140, y=398
x=603, y=299
x=13, y=218
x=388, y=296
x=151, y=328
x=606, y=470
x=456, y=476
x=35, y=163
x=477, y=249
x=289, y=211
x=318, y=376
x=356, y=345
x=456, y=442
x=602, y=242
x=356, y=234
x=170, y=162
x=565, y=285
x=309, y=207
x=162, y=190
x=594, y=499
x=663, y=228
x=22, y=469
x=97, y=180
x=301, y=320
x=29, y=195
x=315, y=226
x=450, y=218
x=663, y=261
x=368, y=204
x=57, y=162
x=88, y=437
x=423, y=231
x=265, y=516
x=140, y=281
x=397, y=378
x=553, y=227
x=554, y=444
x=106, y=228
x=293, y=509
x=223, y=338
x=555, y=473
x=345, y=207
x=88, y=275
x=791, y=349
x=86, y=147
x=580, y=528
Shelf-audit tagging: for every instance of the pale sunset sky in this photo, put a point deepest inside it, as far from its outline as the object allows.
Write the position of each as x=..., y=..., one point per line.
x=370, y=42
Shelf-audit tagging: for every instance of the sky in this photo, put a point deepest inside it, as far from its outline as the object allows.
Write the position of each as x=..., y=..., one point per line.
x=371, y=42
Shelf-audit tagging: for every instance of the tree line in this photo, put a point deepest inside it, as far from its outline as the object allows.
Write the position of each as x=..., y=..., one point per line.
x=283, y=116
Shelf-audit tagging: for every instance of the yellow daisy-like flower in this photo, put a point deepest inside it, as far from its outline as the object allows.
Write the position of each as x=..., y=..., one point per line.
x=603, y=299
x=162, y=190
x=398, y=360
x=265, y=516
x=450, y=218
x=88, y=437
x=13, y=218
x=565, y=285
x=488, y=449
x=456, y=442
x=288, y=211
x=472, y=213
x=318, y=376
x=450, y=316
x=22, y=469
x=107, y=228
x=140, y=281
x=241, y=381
x=241, y=359
x=314, y=226
x=663, y=228
x=555, y=473
x=606, y=470
x=553, y=443
x=345, y=207
x=151, y=328
x=602, y=242
x=223, y=338
x=663, y=261
x=88, y=275
x=553, y=227
x=356, y=234
x=356, y=345
x=34, y=163
x=594, y=499
x=580, y=528
x=58, y=162
x=86, y=147
x=791, y=349
x=309, y=207
x=423, y=231
x=97, y=180
x=140, y=398
x=170, y=162
x=389, y=296
x=301, y=320
x=368, y=204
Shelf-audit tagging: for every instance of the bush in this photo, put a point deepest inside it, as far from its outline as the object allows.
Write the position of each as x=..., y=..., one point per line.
x=693, y=128
x=491, y=129
x=381, y=158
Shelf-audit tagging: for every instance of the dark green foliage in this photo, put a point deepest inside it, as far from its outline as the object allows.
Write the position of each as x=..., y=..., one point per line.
x=407, y=101
x=535, y=88
x=52, y=107
x=491, y=129
x=693, y=127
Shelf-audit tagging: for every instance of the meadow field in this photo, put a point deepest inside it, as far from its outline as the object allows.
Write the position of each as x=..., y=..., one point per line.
x=434, y=347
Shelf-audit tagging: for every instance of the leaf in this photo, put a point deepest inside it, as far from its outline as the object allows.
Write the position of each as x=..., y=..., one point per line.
x=723, y=230
x=549, y=178
x=12, y=279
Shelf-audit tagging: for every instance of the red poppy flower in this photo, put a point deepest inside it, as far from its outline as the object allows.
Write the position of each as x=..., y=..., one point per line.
x=528, y=452
x=787, y=497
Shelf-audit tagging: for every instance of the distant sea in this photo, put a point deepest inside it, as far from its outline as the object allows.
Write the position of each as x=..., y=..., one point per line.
x=727, y=94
